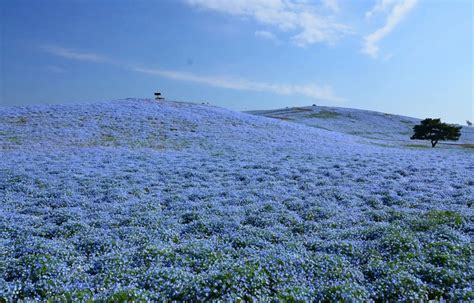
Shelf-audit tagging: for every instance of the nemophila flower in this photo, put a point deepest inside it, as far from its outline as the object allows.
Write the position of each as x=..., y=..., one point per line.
x=135, y=200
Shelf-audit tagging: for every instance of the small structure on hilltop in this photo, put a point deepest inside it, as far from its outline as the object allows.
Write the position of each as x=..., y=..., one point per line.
x=158, y=96
x=469, y=123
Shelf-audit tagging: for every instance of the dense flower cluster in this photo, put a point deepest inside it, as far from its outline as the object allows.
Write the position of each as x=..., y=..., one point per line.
x=136, y=200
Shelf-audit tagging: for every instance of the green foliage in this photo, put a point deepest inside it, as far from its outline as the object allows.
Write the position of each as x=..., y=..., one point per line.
x=421, y=258
x=324, y=114
x=448, y=217
x=415, y=146
x=435, y=218
x=126, y=296
x=435, y=130
x=83, y=295
x=22, y=120
x=397, y=241
x=344, y=292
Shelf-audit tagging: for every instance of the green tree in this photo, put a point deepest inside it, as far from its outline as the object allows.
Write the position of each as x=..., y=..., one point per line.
x=435, y=130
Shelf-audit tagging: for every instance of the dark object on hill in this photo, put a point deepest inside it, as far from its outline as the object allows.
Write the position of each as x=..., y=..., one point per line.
x=435, y=130
x=314, y=104
x=469, y=123
x=158, y=96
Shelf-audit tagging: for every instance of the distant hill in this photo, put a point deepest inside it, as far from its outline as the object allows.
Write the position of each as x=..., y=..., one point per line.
x=394, y=129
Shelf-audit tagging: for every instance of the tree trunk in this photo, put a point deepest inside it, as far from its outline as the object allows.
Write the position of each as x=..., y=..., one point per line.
x=433, y=143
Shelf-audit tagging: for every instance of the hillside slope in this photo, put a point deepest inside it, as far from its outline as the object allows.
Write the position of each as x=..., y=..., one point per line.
x=393, y=129
x=143, y=200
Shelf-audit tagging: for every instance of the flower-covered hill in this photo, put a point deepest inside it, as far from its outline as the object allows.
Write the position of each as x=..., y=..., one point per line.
x=393, y=129
x=137, y=200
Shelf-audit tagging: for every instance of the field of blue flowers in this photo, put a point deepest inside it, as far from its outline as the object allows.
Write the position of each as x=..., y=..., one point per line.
x=137, y=200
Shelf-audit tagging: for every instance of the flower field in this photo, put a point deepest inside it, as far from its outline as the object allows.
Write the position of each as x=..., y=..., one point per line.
x=137, y=200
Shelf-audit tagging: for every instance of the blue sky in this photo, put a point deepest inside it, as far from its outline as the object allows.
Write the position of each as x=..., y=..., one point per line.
x=411, y=57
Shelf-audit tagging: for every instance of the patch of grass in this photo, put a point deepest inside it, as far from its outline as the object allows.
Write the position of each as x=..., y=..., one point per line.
x=406, y=262
x=324, y=114
x=448, y=217
x=103, y=140
x=289, y=110
x=22, y=120
x=108, y=139
x=416, y=146
x=397, y=241
x=301, y=109
x=74, y=295
x=126, y=296
x=320, y=127
x=281, y=118
x=467, y=145
x=14, y=139
x=383, y=144
x=357, y=133
x=436, y=218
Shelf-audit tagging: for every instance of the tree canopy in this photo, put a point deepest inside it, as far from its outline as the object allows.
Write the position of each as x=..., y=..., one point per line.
x=435, y=130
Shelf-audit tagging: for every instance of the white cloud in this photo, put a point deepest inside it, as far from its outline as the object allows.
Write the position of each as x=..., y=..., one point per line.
x=332, y=5
x=381, y=6
x=304, y=20
x=267, y=36
x=310, y=90
x=398, y=11
x=72, y=54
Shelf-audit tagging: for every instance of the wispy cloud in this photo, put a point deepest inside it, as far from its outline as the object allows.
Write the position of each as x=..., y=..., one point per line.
x=380, y=6
x=73, y=54
x=310, y=90
x=332, y=5
x=305, y=21
x=314, y=91
x=265, y=35
x=399, y=9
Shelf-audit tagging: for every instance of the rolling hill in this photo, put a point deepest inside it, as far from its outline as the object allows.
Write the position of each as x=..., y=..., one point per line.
x=392, y=129
x=138, y=200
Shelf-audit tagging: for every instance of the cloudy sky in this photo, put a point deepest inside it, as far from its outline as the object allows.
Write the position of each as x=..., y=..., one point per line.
x=411, y=57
